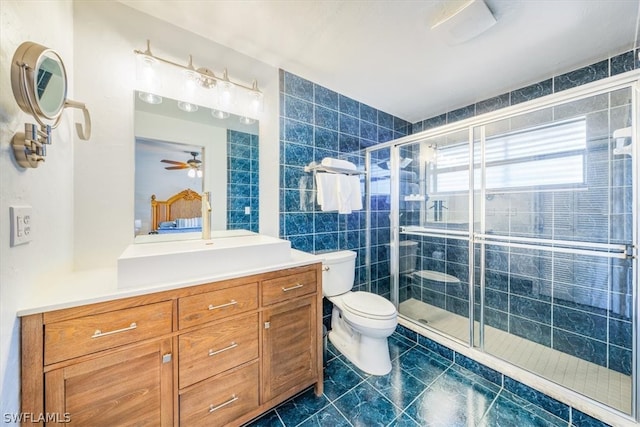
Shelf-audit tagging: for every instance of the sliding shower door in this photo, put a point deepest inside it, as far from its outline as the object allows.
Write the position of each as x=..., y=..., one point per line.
x=433, y=246
x=532, y=217
x=555, y=201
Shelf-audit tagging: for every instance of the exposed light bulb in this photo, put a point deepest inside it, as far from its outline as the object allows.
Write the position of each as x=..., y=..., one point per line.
x=225, y=90
x=219, y=114
x=247, y=120
x=146, y=73
x=191, y=173
x=187, y=106
x=191, y=76
x=199, y=173
x=150, y=98
x=147, y=64
x=190, y=80
x=256, y=99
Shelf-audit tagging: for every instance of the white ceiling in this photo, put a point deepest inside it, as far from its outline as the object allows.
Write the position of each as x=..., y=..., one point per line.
x=383, y=53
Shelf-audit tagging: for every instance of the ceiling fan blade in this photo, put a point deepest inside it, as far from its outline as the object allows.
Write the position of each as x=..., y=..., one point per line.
x=173, y=162
x=172, y=168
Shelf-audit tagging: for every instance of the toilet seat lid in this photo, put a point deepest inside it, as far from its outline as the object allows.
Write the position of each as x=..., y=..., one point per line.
x=369, y=305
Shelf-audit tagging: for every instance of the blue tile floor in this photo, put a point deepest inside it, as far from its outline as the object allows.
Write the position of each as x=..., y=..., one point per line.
x=423, y=389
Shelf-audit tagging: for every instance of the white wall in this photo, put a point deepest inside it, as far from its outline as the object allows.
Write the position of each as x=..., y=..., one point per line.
x=48, y=189
x=82, y=197
x=106, y=34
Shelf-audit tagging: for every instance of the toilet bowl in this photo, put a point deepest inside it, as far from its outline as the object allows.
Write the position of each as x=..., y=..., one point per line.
x=361, y=322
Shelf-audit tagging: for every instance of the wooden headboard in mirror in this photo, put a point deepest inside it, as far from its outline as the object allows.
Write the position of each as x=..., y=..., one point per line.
x=185, y=204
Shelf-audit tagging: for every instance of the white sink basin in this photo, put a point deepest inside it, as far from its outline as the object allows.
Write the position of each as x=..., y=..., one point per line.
x=151, y=264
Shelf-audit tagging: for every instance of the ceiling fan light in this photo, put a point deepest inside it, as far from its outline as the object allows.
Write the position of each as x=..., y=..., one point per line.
x=187, y=107
x=191, y=173
x=199, y=173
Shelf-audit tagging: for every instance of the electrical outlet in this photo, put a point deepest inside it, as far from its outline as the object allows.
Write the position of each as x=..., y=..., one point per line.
x=247, y=210
x=21, y=224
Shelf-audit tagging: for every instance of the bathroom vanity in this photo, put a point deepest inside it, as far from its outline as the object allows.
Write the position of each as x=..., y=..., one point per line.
x=214, y=353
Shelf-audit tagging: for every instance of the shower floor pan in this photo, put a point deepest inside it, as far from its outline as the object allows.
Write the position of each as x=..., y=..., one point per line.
x=597, y=382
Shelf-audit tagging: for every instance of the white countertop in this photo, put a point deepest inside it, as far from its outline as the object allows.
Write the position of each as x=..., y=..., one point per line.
x=100, y=285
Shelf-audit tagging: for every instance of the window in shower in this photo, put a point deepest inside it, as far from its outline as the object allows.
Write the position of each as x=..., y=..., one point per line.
x=516, y=159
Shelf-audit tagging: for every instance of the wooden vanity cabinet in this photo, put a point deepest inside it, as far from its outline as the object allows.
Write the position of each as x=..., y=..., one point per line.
x=289, y=355
x=133, y=386
x=214, y=354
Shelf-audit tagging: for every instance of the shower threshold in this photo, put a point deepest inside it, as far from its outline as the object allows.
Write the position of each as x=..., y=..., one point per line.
x=594, y=381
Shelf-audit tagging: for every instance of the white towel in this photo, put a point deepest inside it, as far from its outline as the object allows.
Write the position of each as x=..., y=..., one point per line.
x=330, y=162
x=338, y=192
x=327, y=191
x=349, y=194
x=302, y=192
x=356, y=193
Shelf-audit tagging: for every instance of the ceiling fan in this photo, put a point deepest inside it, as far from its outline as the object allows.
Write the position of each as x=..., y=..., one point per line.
x=191, y=163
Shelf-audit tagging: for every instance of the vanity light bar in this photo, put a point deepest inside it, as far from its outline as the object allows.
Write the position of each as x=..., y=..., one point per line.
x=206, y=76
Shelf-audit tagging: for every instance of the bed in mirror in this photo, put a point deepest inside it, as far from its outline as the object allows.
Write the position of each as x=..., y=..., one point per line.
x=182, y=151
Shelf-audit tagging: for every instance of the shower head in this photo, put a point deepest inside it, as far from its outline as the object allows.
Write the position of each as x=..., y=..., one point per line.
x=621, y=136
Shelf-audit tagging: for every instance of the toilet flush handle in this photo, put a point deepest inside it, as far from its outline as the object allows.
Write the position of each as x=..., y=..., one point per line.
x=326, y=268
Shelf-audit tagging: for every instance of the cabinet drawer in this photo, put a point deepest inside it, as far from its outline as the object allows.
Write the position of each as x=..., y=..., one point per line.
x=219, y=401
x=88, y=334
x=214, y=349
x=288, y=287
x=202, y=308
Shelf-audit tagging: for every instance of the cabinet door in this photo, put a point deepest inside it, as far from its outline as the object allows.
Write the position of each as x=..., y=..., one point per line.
x=131, y=387
x=289, y=346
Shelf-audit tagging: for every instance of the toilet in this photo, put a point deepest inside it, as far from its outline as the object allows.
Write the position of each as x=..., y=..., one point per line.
x=361, y=322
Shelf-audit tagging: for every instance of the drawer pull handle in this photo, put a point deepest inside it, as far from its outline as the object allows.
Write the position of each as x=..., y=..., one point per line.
x=213, y=307
x=222, y=405
x=98, y=333
x=298, y=286
x=213, y=353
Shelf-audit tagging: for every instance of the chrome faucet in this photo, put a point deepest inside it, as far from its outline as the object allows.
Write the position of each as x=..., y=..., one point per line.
x=206, y=215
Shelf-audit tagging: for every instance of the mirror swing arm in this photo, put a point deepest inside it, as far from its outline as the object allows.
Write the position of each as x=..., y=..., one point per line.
x=32, y=85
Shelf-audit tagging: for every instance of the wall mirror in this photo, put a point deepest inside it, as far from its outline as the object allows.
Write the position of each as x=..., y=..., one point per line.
x=182, y=150
x=39, y=84
x=42, y=89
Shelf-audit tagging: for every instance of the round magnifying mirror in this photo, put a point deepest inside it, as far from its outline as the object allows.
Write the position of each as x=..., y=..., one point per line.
x=50, y=84
x=39, y=80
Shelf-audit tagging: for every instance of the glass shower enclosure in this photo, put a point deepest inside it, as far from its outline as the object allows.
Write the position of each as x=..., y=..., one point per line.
x=525, y=222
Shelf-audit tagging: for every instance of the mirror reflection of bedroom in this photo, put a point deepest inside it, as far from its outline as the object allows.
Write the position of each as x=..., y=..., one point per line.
x=181, y=153
x=168, y=187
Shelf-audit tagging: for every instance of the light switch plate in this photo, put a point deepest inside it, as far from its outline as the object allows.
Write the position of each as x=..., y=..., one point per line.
x=21, y=226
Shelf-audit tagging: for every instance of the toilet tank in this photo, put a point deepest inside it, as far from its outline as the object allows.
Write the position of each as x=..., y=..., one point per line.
x=338, y=272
